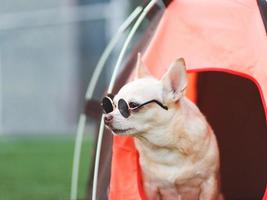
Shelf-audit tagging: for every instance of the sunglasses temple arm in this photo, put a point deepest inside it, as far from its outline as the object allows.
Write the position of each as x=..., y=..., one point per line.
x=161, y=105
x=152, y=101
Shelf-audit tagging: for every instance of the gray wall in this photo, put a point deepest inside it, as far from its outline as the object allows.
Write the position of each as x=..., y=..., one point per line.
x=48, y=50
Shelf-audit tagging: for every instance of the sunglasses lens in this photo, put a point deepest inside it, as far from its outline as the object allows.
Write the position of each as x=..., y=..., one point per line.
x=123, y=108
x=107, y=105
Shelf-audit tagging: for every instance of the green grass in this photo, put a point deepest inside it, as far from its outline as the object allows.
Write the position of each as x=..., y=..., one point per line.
x=39, y=168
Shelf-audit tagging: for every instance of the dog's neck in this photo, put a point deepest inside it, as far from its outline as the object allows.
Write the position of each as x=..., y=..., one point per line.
x=174, y=135
x=162, y=137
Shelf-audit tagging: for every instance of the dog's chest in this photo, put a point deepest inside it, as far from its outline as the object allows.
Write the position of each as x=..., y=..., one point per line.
x=169, y=170
x=170, y=173
x=165, y=164
x=162, y=156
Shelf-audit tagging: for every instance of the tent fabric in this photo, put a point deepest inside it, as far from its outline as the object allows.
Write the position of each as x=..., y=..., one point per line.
x=212, y=35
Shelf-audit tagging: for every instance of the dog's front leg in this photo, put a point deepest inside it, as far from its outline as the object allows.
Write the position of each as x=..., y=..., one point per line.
x=209, y=189
x=169, y=193
x=151, y=191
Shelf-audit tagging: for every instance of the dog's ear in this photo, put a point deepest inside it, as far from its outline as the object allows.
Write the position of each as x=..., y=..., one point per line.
x=141, y=70
x=175, y=80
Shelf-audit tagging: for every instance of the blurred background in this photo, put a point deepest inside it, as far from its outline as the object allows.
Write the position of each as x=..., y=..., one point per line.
x=48, y=51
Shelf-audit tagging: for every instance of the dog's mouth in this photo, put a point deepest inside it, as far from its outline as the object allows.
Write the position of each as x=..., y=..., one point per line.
x=121, y=131
x=118, y=131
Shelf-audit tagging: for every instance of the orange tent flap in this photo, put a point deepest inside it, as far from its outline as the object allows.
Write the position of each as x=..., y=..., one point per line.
x=125, y=174
x=265, y=195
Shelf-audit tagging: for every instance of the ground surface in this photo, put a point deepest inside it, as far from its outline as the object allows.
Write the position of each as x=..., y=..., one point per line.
x=40, y=167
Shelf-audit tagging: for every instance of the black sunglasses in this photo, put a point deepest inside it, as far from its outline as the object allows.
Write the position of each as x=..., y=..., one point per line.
x=123, y=106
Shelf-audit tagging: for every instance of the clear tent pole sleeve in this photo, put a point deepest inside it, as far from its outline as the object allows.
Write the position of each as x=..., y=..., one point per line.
x=111, y=85
x=90, y=90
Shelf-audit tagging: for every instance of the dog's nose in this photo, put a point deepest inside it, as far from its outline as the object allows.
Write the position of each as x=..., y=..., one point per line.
x=108, y=118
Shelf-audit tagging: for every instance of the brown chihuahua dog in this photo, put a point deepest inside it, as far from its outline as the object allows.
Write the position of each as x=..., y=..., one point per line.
x=179, y=156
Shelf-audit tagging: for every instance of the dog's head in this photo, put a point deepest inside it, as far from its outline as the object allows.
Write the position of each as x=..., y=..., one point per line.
x=143, y=118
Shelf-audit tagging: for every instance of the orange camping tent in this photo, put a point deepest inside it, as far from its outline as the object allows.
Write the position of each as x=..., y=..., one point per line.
x=212, y=35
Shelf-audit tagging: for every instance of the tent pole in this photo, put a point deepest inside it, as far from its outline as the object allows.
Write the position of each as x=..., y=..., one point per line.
x=90, y=90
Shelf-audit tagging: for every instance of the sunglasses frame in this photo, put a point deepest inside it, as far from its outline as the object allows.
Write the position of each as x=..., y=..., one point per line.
x=110, y=98
x=127, y=113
